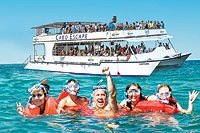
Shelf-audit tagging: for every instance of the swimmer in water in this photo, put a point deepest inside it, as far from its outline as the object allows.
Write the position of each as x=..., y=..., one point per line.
x=72, y=101
x=164, y=95
x=133, y=96
x=37, y=104
x=105, y=103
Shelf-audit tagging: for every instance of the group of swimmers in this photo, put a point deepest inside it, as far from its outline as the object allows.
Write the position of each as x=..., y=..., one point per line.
x=103, y=102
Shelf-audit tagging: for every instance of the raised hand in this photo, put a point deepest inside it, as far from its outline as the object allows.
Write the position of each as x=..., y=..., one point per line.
x=193, y=96
x=20, y=108
x=106, y=71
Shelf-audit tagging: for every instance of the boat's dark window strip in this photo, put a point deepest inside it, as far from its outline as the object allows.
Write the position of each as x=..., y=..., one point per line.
x=99, y=49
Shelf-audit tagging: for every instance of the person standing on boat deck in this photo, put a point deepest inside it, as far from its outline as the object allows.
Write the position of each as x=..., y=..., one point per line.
x=162, y=25
x=101, y=105
x=164, y=95
x=111, y=26
x=72, y=100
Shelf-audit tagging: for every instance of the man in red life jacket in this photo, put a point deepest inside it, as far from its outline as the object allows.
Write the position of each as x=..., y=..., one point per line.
x=72, y=101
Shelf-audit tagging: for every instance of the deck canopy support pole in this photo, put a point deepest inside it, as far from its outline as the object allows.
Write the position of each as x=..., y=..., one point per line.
x=131, y=50
x=172, y=45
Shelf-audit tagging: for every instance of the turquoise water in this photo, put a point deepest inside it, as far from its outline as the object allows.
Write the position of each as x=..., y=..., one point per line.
x=14, y=81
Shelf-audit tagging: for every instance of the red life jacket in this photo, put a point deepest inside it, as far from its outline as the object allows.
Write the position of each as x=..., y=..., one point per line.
x=156, y=106
x=50, y=108
x=62, y=95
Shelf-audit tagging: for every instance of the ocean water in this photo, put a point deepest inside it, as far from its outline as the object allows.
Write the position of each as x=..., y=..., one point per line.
x=15, y=80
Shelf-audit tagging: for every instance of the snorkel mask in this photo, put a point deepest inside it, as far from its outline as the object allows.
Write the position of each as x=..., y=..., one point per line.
x=72, y=89
x=38, y=87
x=163, y=97
x=99, y=86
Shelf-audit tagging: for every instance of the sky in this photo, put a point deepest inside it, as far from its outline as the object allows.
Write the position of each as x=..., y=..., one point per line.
x=17, y=17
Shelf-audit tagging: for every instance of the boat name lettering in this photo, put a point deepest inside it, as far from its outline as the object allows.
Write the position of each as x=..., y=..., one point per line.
x=72, y=37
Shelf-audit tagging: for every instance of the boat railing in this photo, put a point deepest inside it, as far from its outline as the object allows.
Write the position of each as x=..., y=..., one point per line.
x=27, y=60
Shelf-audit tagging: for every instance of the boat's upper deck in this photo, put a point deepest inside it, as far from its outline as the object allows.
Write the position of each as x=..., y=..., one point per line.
x=95, y=32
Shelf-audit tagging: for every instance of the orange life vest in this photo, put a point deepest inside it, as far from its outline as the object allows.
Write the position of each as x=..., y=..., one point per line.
x=50, y=108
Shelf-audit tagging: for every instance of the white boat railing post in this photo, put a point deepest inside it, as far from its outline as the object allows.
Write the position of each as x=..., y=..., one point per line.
x=172, y=45
x=34, y=53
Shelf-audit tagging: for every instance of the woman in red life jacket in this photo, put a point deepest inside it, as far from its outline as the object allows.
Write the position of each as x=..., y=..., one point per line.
x=164, y=95
x=133, y=96
x=72, y=102
x=39, y=103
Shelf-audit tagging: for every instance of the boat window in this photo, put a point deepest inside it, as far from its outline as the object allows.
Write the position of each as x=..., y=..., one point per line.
x=39, y=52
x=59, y=49
x=39, y=49
x=106, y=49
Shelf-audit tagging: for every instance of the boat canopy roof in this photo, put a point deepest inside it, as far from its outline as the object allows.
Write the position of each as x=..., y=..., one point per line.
x=150, y=38
x=63, y=24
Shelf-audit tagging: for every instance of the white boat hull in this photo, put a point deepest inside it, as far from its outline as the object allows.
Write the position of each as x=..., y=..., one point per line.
x=116, y=68
x=175, y=61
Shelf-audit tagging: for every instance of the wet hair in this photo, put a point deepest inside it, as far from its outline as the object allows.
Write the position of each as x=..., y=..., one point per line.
x=164, y=85
x=72, y=80
x=141, y=97
x=45, y=89
x=101, y=89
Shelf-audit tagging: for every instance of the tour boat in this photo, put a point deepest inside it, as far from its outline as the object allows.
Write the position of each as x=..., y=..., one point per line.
x=87, y=47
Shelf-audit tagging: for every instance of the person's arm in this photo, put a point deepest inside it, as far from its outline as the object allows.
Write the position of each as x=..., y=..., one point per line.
x=192, y=98
x=123, y=104
x=112, y=100
x=61, y=105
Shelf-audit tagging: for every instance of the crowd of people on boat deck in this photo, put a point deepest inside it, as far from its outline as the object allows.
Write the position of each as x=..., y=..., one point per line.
x=117, y=50
x=103, y=101
x=112, y=26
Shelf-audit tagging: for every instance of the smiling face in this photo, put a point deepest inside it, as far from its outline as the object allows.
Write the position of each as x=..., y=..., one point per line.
x=164, y=93
x=133, y=93
x=38, y=97
x=100, y=98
